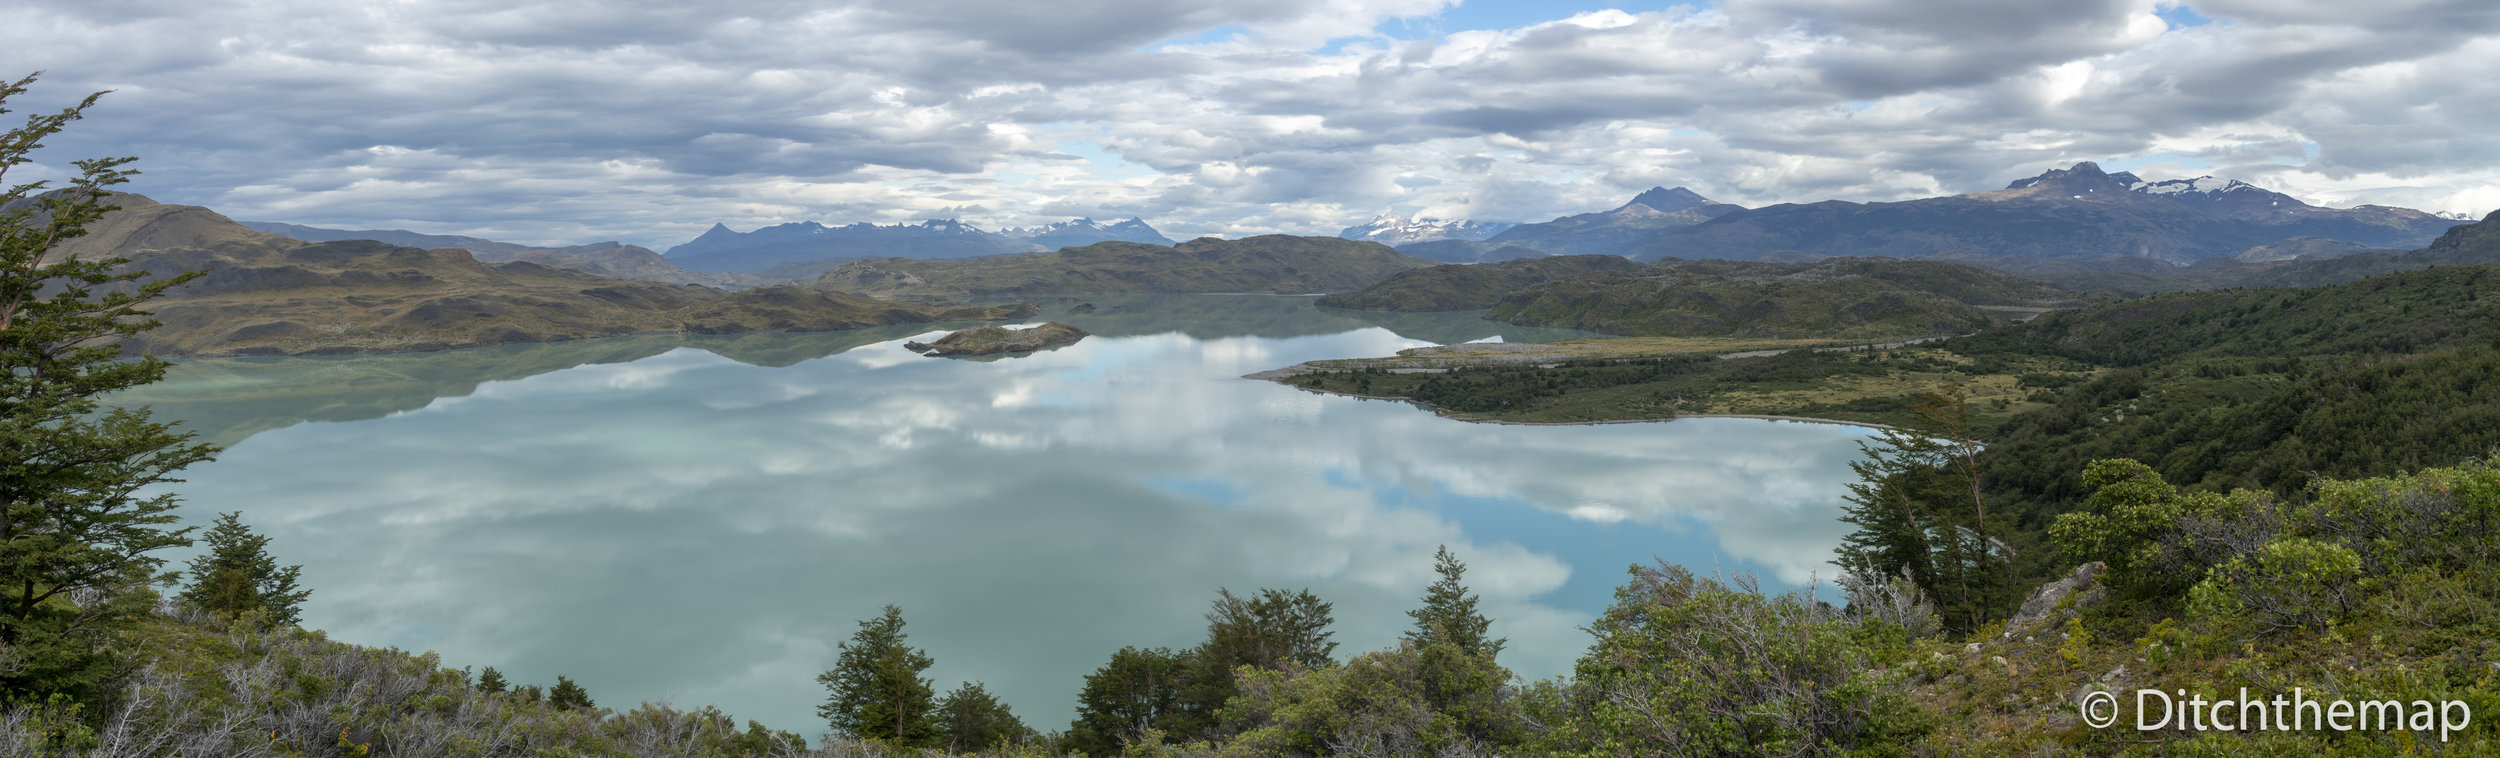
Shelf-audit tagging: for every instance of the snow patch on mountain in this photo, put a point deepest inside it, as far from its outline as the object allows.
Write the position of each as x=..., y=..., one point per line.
x=1393, y=230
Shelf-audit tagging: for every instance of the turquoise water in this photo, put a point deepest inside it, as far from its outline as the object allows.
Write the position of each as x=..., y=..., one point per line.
x=702, y=521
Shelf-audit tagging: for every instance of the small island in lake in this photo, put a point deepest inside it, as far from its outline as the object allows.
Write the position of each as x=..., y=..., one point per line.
x=988, y=340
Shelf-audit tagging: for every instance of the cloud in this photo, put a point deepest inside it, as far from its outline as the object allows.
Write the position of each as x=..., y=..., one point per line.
x=687, y=526
x=647, y=121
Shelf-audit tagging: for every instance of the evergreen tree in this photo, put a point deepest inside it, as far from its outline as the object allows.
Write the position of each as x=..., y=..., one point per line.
x=971, y=719
x=1919, y=514
x=1140, y=689
x=1449, y=613
x=491, y=681
x=876, y=691
x=237, y=574
x=76, y=532
x=567, y=695
x=1274, y=631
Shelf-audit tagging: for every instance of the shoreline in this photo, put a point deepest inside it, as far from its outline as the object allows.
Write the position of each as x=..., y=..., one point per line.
x=1438, y=411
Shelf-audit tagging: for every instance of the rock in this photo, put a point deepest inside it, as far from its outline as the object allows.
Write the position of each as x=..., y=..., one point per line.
x=988, y=340
x=2115, y=673
x=2064, y=596
x=1970, y=649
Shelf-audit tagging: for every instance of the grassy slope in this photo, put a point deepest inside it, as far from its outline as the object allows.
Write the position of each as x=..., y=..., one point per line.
x=1850, y=298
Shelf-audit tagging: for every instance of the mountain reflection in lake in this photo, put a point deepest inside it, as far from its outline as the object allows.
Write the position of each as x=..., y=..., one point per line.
x=677, y=519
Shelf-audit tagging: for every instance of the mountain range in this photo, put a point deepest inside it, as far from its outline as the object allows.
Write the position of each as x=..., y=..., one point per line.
x=602, y=258
x=267, y=294
x=1276, y=263
x=721, y=250
x=2058, y=218
x=1395, y=230
x=2077, y=213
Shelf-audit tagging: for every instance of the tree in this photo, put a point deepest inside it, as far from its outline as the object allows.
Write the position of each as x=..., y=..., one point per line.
x=491, y=681
x=876, y=691
x=1274, y=631
x=1919, y=513
x=1139, y=690
x=568, y=696
x=76, y=535
x=1449, y=613
x=971, y=719
x=237, y=575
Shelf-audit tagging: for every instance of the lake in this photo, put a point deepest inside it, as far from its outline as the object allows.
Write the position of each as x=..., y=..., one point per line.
x=702, y=520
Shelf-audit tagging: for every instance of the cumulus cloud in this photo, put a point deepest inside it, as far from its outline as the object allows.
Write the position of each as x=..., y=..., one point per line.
x=567, y=121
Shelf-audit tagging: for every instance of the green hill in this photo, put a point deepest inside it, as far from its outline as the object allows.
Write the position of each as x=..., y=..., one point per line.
x=1847, y=298
x=1271, y=263
x=1468, y=287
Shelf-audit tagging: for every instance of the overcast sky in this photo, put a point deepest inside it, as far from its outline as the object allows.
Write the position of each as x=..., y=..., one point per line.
x=648, y=120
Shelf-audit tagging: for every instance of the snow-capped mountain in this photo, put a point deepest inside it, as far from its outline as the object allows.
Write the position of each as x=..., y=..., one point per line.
x=1086, y=231
x=1392, y=229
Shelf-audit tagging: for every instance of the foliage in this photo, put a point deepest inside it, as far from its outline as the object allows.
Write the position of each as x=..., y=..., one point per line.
x=567, y=695
x=1274, y=631
x=1449, y=614
x=970, y=718
x=1428, y=699
x=1857, y=298
x=237, y=575
x=876, y=691
x=75, y=532
x=1689, y=666
x=1138, y=691
x=1920, y=514
x=491, y=681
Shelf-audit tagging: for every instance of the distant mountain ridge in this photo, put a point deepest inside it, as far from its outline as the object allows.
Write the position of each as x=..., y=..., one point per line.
x=721, y=249
x=267, y=294
x=1621, y=231
x=601, y=258
x=1277, y=263
x=1394, y=230
x=2075, y=213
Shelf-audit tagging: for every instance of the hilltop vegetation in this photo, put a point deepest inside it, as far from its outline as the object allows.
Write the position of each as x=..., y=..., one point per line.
x=1840, y=298
x=1271, y=263
x=1835, y=298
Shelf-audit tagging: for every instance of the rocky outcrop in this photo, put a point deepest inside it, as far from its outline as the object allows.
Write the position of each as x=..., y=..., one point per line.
x=992, y=340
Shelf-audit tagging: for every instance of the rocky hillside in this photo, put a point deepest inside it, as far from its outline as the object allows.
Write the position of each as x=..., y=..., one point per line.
x=612, y=259
x=263, y=294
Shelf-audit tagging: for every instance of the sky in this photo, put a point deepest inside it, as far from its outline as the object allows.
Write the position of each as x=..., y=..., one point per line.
x=646, y=121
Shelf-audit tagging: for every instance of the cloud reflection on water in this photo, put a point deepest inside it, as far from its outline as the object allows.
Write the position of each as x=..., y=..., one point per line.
x=687, y=527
